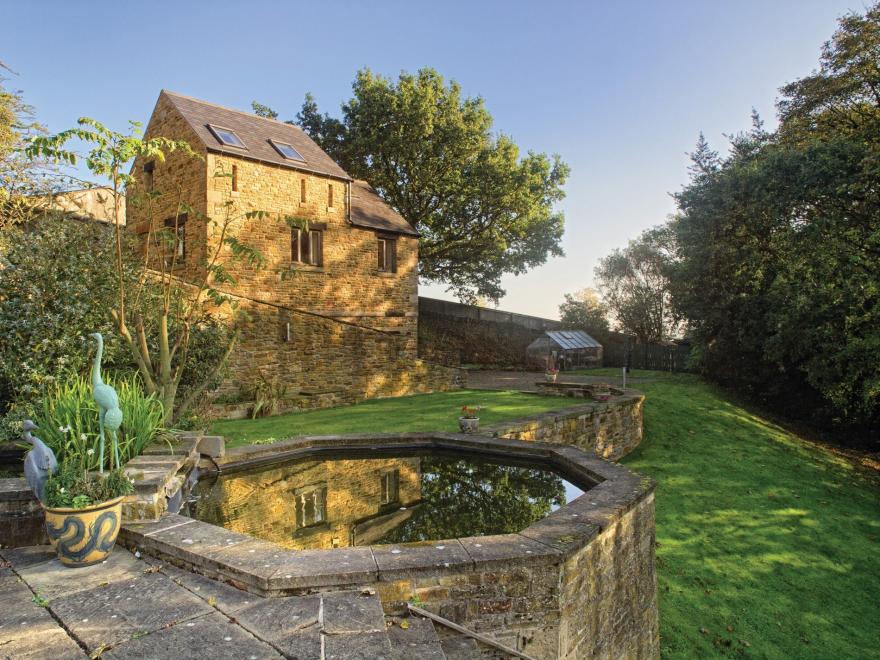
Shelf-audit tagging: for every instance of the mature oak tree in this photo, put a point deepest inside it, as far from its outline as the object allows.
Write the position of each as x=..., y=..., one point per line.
x=483, y=210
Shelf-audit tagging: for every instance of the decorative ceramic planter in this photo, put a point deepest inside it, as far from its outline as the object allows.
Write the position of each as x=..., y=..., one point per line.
x=83, y=537
x=551, y=378
x=469, y=424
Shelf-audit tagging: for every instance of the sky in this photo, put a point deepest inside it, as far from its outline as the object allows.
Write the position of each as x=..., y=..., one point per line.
x=620, y=90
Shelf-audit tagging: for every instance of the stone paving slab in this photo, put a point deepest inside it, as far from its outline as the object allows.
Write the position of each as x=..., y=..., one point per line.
x=52, y=579
x=55, y=644
x=112, y=614
x=224, y=597
x=417, y=640
x=357, y=646
x=405, y=560
x=208, y=636
x=27, y=556
x=289, y=624
x=351, y=612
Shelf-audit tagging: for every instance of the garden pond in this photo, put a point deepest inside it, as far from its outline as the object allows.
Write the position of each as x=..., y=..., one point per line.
x=356, y=501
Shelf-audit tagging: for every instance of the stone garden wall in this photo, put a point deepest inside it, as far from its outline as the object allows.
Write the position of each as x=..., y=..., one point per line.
x=609, y=429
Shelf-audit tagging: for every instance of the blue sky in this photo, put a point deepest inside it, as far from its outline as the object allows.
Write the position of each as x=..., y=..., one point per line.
x=619, y=90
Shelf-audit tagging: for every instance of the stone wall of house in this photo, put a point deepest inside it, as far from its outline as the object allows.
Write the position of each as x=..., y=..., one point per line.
x=610, y=429
x=181, y=179
x=348, y=285
x=325, y=362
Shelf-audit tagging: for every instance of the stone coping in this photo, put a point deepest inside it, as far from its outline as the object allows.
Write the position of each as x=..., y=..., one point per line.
x=271, y=570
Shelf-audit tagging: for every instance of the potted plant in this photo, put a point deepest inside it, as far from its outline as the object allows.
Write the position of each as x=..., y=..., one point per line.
x=601, y=391
x=550, y=374
x=83, y=507
x=468, y=422
x=84, y=512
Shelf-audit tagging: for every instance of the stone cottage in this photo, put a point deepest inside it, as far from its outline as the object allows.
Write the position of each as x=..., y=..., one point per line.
x=333, y=311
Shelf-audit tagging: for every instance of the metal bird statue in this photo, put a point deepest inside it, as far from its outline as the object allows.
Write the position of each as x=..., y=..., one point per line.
x=39, y=463
x=110, y=415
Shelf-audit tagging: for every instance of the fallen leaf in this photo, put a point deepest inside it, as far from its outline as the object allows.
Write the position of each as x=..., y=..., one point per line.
x=744, y=643
x=212, y=601
x=704, y=631
x=729, y=628
x=404, y=624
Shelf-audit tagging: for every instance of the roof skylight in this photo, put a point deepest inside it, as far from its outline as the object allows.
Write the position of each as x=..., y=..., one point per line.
x=226, y=136
x=287, y=151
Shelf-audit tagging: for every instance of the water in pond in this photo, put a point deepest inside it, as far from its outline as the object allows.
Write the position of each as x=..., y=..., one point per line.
x=343, y=502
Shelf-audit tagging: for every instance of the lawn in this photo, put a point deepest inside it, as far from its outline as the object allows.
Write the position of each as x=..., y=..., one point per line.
x=767, y=546
x=420, y=412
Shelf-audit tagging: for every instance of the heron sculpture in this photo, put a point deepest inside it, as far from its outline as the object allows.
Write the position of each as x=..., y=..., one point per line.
x=39, y=463
x=109, y=413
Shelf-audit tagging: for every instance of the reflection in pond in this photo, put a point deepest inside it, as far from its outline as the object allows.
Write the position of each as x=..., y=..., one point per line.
x=343, y=502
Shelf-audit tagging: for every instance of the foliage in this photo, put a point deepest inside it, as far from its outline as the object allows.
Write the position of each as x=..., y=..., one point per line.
x=470, y=411
x=482, y=209
x=634, y=285
x=777, y=246
x=761, y=535
x=467, y=497
x=68, y=421
x=57, y=283
x=584, y=310
x=268, y=395
x=73, y=487
x=178, y=311
x=420, y=412
x=263, y=110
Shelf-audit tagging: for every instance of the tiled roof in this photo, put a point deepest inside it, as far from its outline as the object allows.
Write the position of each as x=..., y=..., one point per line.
x=255, y=132
x=369, y=210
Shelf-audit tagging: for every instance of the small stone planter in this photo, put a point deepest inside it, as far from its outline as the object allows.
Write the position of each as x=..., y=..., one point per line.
x=469, y=424
x=82, y=537
x=551, y=378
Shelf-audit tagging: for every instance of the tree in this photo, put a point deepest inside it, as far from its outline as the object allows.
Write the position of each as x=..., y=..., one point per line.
x=776, y=247
x=583, y=309
x=483, y=210
x=174, y=308
x=634, y=285
x=263, y=110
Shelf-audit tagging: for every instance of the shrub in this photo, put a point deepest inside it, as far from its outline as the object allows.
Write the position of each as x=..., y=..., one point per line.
x=68, y=421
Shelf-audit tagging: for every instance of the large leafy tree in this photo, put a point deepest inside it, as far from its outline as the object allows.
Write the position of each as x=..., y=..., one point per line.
x=482, y=208
x=635, y=287
x=777, y=245
x=583, y=309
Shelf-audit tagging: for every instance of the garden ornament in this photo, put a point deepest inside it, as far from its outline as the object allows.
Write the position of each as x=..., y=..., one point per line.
x=39, y=463
x=109, y=413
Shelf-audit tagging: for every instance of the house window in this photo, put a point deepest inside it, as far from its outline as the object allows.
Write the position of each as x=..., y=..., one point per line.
x=387, y=254
x=176, y=256
x=287, y=151
x=226, y=136
x=390, y=487
x=302, y=191
x=148, y=175
x=311, y=506
x=307, y=247
x=330, y=195
x=235, y=178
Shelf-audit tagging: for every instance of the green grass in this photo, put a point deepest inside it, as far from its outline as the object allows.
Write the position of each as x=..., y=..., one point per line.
x=761, y=537
x=420, y=412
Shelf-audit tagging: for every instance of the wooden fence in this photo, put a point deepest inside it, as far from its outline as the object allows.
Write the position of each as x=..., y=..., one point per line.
x=660, y=357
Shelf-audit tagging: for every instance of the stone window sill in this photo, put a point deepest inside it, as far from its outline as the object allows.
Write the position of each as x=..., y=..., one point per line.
x=306, y=268
x=384, y=273
x=331, y=209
